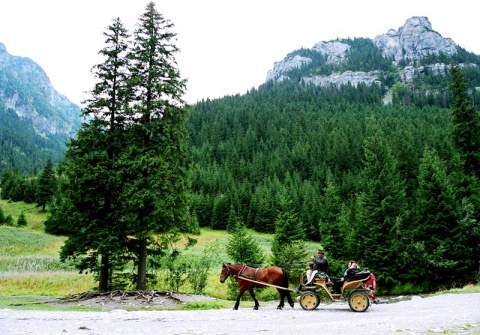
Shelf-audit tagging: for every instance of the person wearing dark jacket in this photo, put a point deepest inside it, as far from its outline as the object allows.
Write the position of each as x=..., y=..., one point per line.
x=349, y=272
x=318, y=264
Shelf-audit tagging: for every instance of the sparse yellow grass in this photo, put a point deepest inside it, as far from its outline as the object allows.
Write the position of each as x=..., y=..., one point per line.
x=45, y=283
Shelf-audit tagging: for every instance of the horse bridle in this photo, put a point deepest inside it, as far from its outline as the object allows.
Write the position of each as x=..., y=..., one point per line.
x=228, y=270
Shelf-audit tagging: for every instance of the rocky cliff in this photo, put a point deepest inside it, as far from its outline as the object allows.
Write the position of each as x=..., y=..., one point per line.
x=404, y=47
x=26, y=89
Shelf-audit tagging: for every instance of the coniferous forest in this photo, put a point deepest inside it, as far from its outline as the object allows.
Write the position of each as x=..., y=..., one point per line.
x=382, y=184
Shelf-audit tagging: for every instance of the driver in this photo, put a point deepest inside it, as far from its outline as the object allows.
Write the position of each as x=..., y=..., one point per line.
x=318, y=264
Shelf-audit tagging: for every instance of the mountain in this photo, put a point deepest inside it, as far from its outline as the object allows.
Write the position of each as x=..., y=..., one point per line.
x=35, y=119
x=415, y=55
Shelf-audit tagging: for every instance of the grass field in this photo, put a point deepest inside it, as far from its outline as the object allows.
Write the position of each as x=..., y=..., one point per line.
x=30, y=264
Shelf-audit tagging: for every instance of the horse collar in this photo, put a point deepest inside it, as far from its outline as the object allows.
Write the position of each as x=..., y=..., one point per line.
x=242, y=270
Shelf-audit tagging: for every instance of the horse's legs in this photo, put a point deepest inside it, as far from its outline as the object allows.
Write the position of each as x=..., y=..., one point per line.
x=282, y=299
x=290, y=300
x=240, y=293
x=252, y=294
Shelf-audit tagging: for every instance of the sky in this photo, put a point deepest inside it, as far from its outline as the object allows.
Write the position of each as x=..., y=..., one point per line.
x=226, y=47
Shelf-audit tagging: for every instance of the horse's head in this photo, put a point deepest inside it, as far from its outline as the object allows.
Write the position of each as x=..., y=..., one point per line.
x=225, y=273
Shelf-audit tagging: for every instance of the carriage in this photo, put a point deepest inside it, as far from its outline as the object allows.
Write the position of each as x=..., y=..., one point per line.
x=359, y=298
x=248, y=278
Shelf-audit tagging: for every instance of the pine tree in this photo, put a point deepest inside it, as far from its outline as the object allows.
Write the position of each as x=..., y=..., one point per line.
x=436, y=220
x=155, y=163
x=220, y=214
x=330, y=224
x=46, y=185
x=380, y=203
x=288, y=245
x=22, y=221
x=466, y=127
x=90, y=192
x=466, y=122
x=242, y=247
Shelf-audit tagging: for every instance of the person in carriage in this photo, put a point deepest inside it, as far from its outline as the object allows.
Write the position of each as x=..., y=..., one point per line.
x=351, y=270
x=371, y=284
x=317, y=265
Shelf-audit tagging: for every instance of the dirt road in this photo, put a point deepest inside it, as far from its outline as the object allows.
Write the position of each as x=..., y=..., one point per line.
x=448, y=313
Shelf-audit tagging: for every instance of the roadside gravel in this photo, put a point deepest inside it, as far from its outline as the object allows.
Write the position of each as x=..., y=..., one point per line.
x=442, y=314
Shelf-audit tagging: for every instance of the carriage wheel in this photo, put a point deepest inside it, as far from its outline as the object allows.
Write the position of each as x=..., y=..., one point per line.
x=358, y=301
x=309, y=301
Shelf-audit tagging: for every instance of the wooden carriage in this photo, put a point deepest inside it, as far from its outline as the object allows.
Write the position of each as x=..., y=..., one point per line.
x=352, y=291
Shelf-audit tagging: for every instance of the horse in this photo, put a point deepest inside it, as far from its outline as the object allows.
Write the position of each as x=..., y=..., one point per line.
x=272, y=275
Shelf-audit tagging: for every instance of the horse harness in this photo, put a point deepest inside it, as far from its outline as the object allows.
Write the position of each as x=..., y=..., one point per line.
x=240, y=274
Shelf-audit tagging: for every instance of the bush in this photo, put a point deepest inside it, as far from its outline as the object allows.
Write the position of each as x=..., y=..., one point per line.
x=177, y=269
x=200, y=267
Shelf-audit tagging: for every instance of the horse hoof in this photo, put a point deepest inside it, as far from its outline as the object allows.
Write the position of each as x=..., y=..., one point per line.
x=291, y=305
x=279, y=307
x=255, y=308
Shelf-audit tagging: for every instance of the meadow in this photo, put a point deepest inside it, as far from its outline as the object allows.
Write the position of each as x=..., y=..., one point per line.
x=30, y=263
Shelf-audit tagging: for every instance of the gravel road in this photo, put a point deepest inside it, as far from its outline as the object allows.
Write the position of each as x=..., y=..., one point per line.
x=442, y=314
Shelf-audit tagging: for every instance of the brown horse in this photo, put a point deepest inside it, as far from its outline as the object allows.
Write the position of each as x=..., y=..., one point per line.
x=272, y=275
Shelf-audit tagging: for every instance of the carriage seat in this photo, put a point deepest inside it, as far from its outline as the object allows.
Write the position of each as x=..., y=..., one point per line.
x=322, y=277
x=363, y=276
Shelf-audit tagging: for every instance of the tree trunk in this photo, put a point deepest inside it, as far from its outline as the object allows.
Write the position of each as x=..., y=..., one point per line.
x=104, y=273
x=142, y=265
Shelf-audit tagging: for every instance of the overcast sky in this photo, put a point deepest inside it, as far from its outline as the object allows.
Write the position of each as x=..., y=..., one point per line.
x=226, y=46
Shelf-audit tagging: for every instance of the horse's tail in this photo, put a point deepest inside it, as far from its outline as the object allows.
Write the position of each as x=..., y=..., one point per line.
x=285, y=278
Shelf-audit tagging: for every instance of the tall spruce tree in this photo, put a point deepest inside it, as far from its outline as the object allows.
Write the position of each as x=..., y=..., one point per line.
x=466, y=122
x=242, y=247
x=89, y=195
x=155, y=162
x=330, y=225
x=288, y=245
x=466, y=127
x=436, y=219
x=379, y=205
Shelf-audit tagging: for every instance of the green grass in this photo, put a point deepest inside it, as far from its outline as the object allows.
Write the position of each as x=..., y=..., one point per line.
x=470, y=288
x=34, y=216
x=23, y=241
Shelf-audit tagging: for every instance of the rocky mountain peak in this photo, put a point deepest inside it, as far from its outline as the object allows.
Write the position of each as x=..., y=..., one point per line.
x=414, y=40
x=409, y=43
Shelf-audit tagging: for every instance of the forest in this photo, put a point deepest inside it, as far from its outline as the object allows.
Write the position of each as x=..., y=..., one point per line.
x=382, y=184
